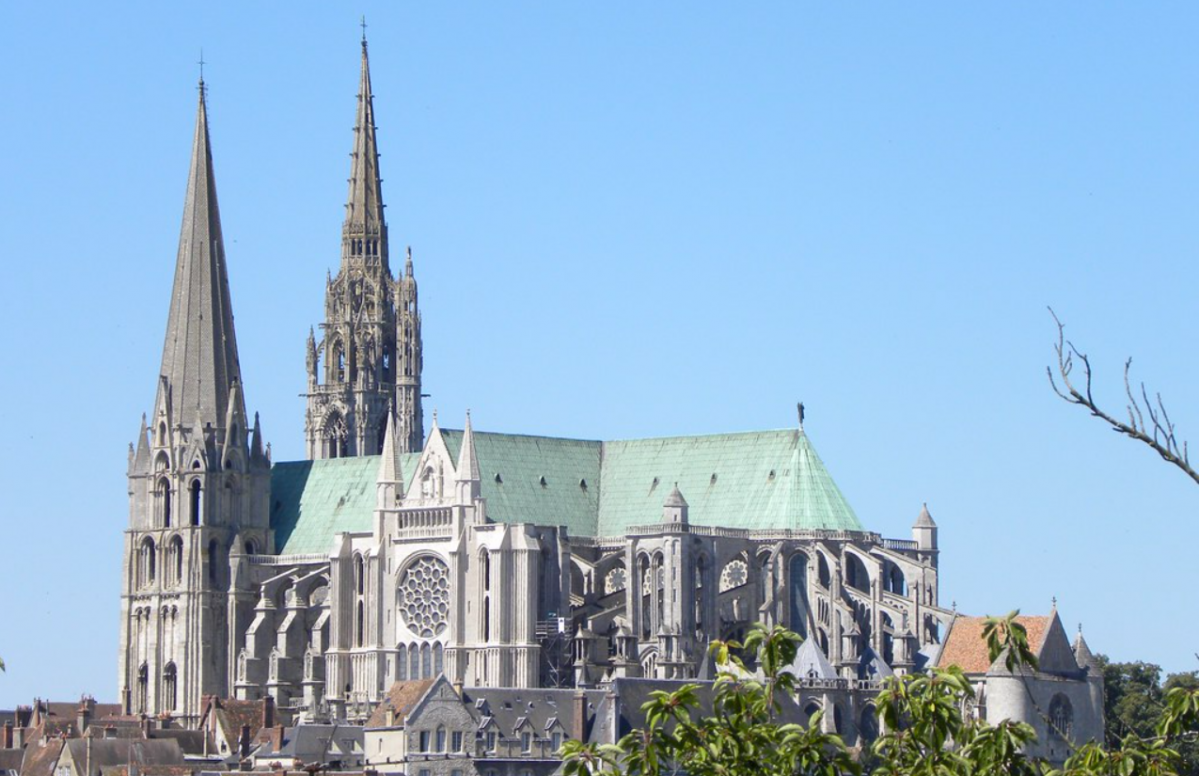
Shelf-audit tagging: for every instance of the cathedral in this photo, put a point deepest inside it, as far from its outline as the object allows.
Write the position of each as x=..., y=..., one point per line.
x=496, y=560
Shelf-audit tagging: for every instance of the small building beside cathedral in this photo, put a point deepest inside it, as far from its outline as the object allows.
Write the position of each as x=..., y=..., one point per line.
x=495, y=560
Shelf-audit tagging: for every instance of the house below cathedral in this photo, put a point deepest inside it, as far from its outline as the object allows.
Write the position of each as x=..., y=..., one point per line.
x=496, y=560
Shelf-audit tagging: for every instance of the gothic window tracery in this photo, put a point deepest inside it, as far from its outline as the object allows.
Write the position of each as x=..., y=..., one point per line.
x=424, y=596
x=1061, y=718
x=735, y=574
x=615, y=581
x=147, y=562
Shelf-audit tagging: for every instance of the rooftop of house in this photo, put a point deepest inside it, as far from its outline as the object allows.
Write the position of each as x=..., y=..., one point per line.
x=966, y=647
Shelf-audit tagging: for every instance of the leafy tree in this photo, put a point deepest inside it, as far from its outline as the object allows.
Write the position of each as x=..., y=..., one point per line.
x=925, y=732
x=1132, y=698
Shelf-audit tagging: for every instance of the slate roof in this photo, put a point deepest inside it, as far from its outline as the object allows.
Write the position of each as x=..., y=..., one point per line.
x=810, y=663
x=966, y=648
x=512, y=708
x=104, y=752
x=755, y=480
x=316, y=743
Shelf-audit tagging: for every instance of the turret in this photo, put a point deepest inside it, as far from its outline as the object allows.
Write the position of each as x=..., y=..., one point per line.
x=924, y=533
x=468, y=479
x=674, y=509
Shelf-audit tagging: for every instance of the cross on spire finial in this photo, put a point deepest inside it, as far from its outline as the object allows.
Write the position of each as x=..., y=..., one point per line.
x=363, y=29
x=201, y=63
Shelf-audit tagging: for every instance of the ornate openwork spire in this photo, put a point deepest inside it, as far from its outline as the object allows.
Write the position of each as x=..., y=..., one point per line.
x=199, y=357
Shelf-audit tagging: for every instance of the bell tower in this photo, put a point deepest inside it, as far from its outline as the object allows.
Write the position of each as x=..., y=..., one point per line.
x=199, y=479
x=354, y=368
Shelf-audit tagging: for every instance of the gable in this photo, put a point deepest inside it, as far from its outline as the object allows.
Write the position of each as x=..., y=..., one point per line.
x=1056, y=655
x=313, y=501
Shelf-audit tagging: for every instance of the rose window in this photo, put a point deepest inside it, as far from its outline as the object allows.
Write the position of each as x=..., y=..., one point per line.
x=425, y=596
x=615, y=581
x=735, y=574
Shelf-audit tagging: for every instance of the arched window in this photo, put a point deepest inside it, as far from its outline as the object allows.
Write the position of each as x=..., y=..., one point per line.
x=359, y=576
x=195, y=502
x=177, y=562
x=487, y=619
x=440, y=738
x=360, y=628
x=147, y=562
x=826, y=578
x=1061, y=718
x=162, y=434
x=164, y=502
x=251, y=547
x=414, y=662
x=339, y=360
x=143, y=688
x=438, y=658
x=401, y=662
x=426, y=661
x=797, y=574
x=170, y=696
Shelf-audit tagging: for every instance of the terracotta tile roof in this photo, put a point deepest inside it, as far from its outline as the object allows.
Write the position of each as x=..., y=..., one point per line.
x=966, y=648
x=241, y=713
x=400, y=698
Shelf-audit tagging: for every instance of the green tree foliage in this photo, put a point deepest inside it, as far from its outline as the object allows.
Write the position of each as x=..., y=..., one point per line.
x=925, y=732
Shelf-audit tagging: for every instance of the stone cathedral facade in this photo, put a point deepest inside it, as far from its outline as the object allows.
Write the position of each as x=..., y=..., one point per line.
x=497, y=560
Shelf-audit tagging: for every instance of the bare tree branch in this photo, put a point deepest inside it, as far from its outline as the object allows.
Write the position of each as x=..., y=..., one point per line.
x=1158, y=433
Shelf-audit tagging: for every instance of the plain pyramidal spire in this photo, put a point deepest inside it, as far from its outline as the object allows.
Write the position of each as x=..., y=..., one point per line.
x=199, y=356
x=364, y=207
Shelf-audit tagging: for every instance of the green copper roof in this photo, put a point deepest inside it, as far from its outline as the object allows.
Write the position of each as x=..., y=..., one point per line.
x=756, y=480
x=313, y=501
x=762, y=480
x=570, y=468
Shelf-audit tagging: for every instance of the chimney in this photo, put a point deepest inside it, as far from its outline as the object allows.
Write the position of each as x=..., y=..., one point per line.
x=579, y=701
x=83, y=717
x=276, y=738
x=7, y=737
x=243, y=742
x=268, y=711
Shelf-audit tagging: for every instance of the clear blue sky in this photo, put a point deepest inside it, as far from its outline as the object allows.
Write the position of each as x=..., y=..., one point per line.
x=634, y=220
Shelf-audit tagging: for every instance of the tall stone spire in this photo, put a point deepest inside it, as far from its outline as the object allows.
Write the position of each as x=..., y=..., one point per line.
x=199, y=484
x=349, y=400
x=365, y=232
x=199, y=357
